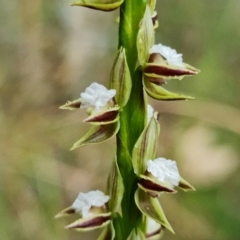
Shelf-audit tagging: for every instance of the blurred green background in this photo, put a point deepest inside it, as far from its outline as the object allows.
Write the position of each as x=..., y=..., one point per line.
x=50, y=52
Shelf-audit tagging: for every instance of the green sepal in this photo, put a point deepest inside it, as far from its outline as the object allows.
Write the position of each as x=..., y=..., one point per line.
x=185, y=186
x=115, y=188
x=160, y=93
x=66, y=212
x=145, y=147
x=136, y=234
x=97, y=134
x=151, y=208
x=154, y=187
x=145, y=37
x=108, y=233
x=91, y=223
x=105, y=5
x=120, y=78
x=71, y=105
x=102, y=117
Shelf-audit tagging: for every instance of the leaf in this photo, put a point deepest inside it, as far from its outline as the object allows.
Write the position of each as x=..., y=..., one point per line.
x=159, y=93
x=151, y=208
x=145, y=147
x=91, y=223
x=99, y=5
x=97, y=134
x=120, y=78
x=145, y=37
x=115, y=188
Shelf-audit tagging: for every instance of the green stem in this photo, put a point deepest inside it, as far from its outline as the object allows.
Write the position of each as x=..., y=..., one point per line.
x=132, y=116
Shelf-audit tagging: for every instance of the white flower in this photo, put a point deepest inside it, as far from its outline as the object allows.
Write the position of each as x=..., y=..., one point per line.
x=164, y=170
x=85, y=201
x=173, y=58
x=96, y=95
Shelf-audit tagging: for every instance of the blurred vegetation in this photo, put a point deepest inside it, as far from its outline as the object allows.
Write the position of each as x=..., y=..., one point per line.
x=50, y=52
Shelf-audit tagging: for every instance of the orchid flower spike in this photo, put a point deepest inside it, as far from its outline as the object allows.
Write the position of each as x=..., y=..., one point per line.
x=164, y=170
x=96, y=96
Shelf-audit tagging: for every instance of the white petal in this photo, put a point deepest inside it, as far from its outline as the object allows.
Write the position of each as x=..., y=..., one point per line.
x=96, y=95
x=85, y=201
x=172, y=57
x=164, y=170
x=97, y=198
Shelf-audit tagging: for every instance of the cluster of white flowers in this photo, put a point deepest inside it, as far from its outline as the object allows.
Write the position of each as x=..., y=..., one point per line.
x=173, y=58
x=164, y=170
x=85, y=201
x=96, y=95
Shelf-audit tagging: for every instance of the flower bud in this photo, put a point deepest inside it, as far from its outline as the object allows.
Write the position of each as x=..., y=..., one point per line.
x=120, y=78
x=145, y=147
x=115, y=188
x=151, y=208
x=145, y=37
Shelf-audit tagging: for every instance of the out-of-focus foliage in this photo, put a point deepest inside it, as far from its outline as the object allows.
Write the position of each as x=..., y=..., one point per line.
x=50, y=52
